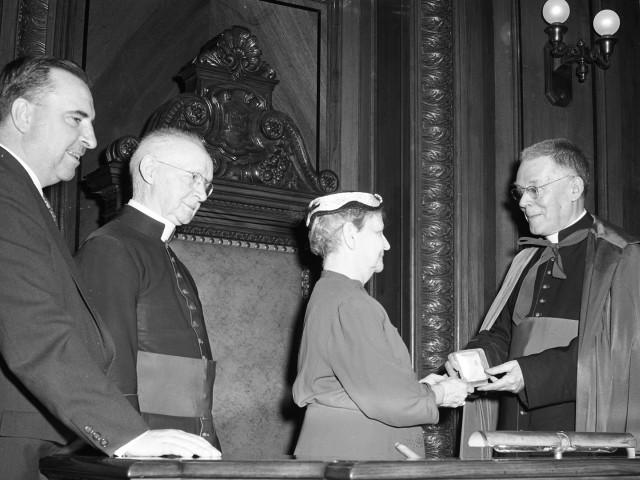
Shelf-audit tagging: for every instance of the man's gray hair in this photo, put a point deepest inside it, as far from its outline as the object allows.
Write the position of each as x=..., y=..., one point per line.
x=151, y=143
x=565, y=154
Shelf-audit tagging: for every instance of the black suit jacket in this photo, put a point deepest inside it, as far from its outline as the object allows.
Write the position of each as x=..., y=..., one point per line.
x=56, y=355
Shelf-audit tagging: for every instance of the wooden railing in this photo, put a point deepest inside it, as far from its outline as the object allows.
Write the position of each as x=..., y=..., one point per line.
x=94, y=468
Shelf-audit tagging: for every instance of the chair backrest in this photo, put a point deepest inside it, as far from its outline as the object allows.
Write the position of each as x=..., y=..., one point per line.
x=263, y=176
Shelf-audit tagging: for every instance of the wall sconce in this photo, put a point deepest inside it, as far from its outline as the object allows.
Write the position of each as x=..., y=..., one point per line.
x=558, y=78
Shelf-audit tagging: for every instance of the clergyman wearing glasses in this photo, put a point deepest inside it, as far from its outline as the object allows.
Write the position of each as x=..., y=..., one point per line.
x=145, y=294
x=562, y=335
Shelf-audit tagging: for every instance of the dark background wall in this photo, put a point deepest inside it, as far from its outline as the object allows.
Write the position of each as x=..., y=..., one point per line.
x=502, y=109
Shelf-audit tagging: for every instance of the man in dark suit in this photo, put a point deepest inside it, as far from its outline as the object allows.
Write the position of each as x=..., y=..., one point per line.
x=56, y=356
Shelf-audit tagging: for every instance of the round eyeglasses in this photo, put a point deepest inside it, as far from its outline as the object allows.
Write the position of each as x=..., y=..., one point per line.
x=533, y=192
x=196, y=178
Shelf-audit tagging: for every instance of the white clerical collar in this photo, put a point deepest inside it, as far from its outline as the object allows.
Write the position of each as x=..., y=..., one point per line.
x=553, y=238
x=169, y=227
x=32, y=174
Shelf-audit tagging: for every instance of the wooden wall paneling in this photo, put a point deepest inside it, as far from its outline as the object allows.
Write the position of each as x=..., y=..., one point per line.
x=623, y=101
x=413, y=178
x=475, y=183
x=334, y=39
x=69, y=30
x=508, y=141
x=608, y=145
x=391, y=170
x=541, y=120
x=339, y=105
x=65, y=39
x=474, y=152
x=617, y=96
x=355, y=150
x=8, y=28
x=366, y=90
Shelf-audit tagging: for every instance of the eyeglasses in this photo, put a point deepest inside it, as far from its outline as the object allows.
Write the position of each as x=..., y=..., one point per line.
x=195, y=178
x=533, y=192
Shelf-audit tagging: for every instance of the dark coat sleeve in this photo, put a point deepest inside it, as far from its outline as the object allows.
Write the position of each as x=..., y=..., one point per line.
x=112, y=281
x=49, y=339
x=608, y=395
x=495, y=341
x=550, y=376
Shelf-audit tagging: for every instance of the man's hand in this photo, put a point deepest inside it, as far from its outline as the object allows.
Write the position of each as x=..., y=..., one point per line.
x=156, y=443
x=512, y=381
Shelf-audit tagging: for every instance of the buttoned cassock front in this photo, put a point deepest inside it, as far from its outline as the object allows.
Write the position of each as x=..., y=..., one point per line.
x=57, y=357
x=150, y=303
x=548, y=400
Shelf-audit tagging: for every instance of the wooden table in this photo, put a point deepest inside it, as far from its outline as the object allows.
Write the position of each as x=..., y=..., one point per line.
x=94, y=468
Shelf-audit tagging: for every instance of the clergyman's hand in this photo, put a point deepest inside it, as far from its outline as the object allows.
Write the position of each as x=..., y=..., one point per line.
x=512, y=380
x=156, y=443
x=452, y=367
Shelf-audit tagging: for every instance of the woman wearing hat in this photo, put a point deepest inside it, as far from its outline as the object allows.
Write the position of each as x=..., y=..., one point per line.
x=354, y=371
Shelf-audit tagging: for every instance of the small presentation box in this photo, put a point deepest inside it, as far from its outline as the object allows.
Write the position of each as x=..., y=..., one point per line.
x=472, y=363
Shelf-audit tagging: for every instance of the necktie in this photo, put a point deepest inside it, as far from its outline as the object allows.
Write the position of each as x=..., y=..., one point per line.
x=53, y=214
x=551, y=250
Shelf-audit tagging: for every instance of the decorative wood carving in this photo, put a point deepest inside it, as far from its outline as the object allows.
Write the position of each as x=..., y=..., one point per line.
x=263, y=176
x=437, y=208
x=111, y=181
x=33, y=19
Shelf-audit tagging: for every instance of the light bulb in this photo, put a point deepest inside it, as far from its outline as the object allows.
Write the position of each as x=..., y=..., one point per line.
x=606, y=22
x=556, y=11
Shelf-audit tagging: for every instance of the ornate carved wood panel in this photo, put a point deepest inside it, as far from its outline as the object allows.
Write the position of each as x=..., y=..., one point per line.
x=437, y=207
x=31, y=36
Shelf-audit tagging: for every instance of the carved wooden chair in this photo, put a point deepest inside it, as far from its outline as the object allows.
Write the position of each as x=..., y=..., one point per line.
x=263, y=176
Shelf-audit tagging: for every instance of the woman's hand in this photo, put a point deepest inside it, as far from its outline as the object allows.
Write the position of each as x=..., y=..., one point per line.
x=450, y=392
x=433, y=378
